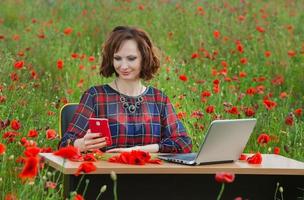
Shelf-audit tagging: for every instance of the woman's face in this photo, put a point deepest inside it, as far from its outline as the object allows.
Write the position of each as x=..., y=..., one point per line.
x=127, y=61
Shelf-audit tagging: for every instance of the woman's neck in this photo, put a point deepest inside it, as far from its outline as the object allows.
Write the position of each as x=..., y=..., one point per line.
x=129, y=87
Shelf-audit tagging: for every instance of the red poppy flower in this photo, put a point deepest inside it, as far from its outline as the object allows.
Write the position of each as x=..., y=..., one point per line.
x=10, y=134
x=291, y=53
x=46, y=150
x=276, y=150
x=32, y=133
x=30, y=169
x=194, y=55
x=142, y=155
x=19, y=64
x=91, y=59
x=269, y=104
x=251, y=91
x=263, y=138
x=89, y=157
x=15, y=124
x=283, y=95
x=210, y=109
x=233, y=110
x=155, y=161
x=242, y=157
x=134, y=160
x=10, y=196
x=298, y=112
x=2, y=148
x=181, y=115
x=86, y=167
x=224, y=64
x=31, y=151
x=2, y=99
x=205, y=94
x=216, y=34
x=216, y=89
x=267, y=54
x=224, y=177
x=243, y=61
x=255, y=159
x=60, y=64
x=68, y=31
x=278, y=80
x=74, y=55
x=197, y=114
x=69, y=152
x=242, y=74
x=51, y=134
x=50, y=185
x=21, y=159
x=249, y=112
x=216, y=82
x=260, y=29
x=289, y=120
x=135, y=157
x=183, y=77
x=239, y=47
x=78, y=197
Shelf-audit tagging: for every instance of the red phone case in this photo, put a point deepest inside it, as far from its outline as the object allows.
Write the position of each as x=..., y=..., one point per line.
x=101, y=125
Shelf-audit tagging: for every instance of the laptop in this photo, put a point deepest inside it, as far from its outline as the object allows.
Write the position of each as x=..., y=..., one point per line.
x=224, y=142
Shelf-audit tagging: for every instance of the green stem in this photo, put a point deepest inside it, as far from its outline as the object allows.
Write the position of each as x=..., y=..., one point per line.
x=86, y=187
x=82, y=176
x=115, y=190
x=221, y=192
x=276, y=191
x=100, y=192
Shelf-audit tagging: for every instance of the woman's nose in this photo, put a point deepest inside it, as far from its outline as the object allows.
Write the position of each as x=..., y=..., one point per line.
x=124, y=65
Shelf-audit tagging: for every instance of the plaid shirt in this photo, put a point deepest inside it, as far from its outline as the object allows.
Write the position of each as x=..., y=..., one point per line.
x=154, y=122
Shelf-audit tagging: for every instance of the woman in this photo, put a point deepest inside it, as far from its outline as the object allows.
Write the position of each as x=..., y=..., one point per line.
x=140, y=117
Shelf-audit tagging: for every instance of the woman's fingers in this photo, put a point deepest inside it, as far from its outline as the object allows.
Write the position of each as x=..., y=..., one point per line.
x=95, y=141
x=90, y=135
x=96, y=146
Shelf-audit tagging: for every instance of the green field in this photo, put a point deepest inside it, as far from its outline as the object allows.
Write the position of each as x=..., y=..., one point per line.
x=247, y=55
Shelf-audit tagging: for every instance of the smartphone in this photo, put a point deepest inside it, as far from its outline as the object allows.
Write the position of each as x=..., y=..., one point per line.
x=101, y=125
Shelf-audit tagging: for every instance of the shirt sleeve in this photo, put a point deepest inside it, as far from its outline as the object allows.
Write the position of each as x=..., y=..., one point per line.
x=79, y=124
x=174, y=136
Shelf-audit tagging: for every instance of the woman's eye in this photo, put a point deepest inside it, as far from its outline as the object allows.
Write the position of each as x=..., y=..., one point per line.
x=117, y=58
x=132, y=58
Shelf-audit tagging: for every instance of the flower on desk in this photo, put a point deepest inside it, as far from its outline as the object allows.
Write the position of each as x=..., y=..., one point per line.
x=135, y=157
x=85, y=167
x=255, y=159
x=69, y=152
x=243, y=157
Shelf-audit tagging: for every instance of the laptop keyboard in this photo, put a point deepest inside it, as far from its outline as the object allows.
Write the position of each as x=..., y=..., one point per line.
x=186, y=157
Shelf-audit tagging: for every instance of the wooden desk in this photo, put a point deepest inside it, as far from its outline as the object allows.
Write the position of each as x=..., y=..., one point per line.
x=174, y=181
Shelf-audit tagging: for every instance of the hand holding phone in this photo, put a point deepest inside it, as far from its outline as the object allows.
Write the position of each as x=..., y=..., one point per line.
x=101, y=125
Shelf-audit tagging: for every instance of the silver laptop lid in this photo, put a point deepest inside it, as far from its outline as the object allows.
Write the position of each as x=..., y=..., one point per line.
x=225, y=140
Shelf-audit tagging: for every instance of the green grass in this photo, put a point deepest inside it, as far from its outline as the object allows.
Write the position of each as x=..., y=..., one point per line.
x=178, y=30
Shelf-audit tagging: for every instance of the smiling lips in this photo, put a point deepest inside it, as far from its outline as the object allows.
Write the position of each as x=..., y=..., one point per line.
x=125, y=73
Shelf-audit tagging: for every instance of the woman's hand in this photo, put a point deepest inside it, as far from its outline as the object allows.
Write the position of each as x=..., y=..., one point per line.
x=152, y=148
x=90, y=141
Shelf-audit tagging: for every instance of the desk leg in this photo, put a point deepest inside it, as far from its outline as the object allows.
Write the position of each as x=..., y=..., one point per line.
x=67, y=187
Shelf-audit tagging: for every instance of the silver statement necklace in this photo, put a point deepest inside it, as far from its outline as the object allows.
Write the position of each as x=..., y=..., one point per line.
x=126, y=104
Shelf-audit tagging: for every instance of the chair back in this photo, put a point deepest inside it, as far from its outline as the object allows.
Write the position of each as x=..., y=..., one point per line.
x=65, y=117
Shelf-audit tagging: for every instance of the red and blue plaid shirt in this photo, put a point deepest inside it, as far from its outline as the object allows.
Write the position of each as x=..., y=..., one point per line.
x=154, y=122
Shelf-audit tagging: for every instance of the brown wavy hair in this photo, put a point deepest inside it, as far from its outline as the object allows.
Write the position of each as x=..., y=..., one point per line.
x=150, y=62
